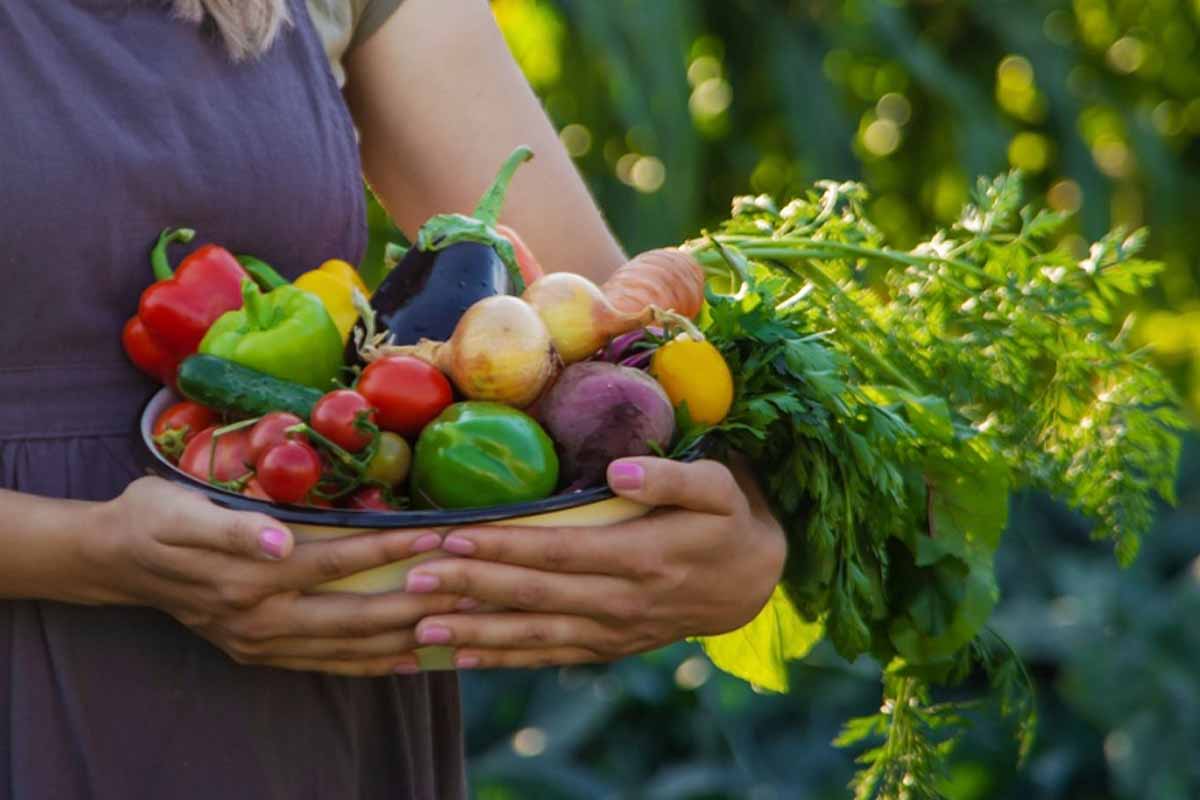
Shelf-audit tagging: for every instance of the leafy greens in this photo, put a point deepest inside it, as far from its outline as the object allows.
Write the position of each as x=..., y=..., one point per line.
x=891, y=401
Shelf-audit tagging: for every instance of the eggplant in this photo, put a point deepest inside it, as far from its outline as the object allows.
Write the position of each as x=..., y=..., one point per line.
x=457, y=261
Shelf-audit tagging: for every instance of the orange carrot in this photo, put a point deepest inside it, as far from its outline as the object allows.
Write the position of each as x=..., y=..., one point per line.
x=668, y=279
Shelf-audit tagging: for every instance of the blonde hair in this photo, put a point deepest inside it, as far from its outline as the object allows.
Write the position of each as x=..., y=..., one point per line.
x=248, y=27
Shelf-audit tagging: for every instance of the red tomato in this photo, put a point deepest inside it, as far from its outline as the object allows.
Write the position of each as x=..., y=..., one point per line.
x=338, y=417
x=178, y=425
x=531, y=270
x=369, y=498
x=254, y=489
x=230, y=461
x=406, y=391
x=289, y=471
x=270, y=431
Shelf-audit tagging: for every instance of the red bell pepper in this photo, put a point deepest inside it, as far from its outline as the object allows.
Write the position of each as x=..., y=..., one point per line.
x=176, y=311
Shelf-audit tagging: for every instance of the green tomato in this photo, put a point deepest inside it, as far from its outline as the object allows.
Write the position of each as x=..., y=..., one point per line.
x=479, y=454
x=390, y=464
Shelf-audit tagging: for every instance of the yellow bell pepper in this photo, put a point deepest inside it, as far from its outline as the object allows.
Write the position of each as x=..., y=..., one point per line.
x=334, y=282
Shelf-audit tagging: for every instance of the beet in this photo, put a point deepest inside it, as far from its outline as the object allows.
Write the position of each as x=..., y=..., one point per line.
x=598, y=412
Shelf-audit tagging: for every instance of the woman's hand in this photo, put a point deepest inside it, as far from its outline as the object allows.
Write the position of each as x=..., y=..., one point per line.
x=237, y=578
x=706, y=563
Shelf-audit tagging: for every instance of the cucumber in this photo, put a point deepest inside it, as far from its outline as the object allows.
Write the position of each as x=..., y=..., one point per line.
x=223, y=385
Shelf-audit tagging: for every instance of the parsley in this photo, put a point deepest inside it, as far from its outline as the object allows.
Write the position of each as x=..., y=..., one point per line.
x=891, y=401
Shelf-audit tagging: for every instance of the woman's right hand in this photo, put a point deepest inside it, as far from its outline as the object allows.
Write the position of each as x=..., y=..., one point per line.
x=238, y=580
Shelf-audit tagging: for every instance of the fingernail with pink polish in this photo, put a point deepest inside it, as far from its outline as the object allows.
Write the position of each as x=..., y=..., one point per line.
x=467, y=604
x=458, y=545
x=434, y=634
x=626, y=475
x=421, y=583
x=406, y=668
x=424, y=544
x=466, y=662
x=273, y=542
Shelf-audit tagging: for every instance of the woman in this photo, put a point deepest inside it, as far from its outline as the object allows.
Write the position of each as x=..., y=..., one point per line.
x=155, y=645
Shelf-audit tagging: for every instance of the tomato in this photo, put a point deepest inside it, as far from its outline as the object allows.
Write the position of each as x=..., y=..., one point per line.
x=369, y=498
x=340, y=416
x=178, y=425
x=187, y=415
x=695, y=373
x=407, y=392
x=270, y=431
x=229, y=461
x=289, y=470
x=254, y=489
x=391, y=461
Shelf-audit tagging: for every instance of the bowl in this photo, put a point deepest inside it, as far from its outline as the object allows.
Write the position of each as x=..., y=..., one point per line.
x=586, y=508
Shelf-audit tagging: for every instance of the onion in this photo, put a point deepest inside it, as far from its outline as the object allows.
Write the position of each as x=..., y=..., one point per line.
x=499, y=351
x=580, y=318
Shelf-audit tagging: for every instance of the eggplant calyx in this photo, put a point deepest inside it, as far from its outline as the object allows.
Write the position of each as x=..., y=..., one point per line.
x=445, y=230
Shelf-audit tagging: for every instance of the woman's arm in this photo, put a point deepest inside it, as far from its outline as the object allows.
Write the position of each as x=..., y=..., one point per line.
x=234, y=578
x=440, y=103
x=40, y=545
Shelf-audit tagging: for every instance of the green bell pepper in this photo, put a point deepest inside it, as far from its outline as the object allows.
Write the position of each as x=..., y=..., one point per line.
x=286, y=333
x=478, y=454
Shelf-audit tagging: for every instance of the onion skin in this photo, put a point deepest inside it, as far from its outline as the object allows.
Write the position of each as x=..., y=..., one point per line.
x=578, y=315
x=500, y=351
x=598, y=412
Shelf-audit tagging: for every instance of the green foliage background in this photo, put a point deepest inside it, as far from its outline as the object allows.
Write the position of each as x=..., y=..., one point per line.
x=672, y=107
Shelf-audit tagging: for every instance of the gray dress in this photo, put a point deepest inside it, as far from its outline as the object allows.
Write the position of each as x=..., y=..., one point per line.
x=117, y=121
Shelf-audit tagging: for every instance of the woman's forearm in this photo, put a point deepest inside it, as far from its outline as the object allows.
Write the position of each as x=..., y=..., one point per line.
x=440, y=103
x=40, y=553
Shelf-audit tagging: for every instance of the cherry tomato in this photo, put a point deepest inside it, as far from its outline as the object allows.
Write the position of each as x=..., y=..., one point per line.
x=178, y=425
x=229, y=461
x=289, y=470
x=270, y=431
x=391, y=461
x=254, y=489
x=186, y=415
x=339, y=417
x=369, y=498
x=407, y=392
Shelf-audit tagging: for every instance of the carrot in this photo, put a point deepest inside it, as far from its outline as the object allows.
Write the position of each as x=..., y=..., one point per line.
x=582, y=317
x=668, y=279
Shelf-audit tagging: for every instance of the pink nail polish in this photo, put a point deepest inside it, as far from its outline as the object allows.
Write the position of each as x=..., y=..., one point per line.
x=406, y=669
x=466, y=662
x=273, y=542
x=467, y=604
x=459, y=546
x=626, y=475
x=429, y=541
x=434, y=634
x=421, y=583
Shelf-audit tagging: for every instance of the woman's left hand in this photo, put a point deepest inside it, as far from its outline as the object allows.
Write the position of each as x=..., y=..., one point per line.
x=705, y=563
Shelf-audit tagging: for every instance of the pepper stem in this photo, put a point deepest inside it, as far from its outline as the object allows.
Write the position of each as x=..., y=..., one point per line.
x=488, y=210
x=255, y=305
x=158, y=255
x=262, y=272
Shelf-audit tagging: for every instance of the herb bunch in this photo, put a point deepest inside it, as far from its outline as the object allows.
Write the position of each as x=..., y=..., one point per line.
x=891, y=402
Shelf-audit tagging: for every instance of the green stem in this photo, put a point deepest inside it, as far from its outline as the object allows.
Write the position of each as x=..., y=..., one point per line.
x=262, y=272
x=823, y=281
x=488, y=210
x=255, y=305
x=786, y=247
x=158, y=255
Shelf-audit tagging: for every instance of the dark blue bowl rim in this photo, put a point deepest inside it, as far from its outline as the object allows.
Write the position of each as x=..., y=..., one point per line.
x=339, y=518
